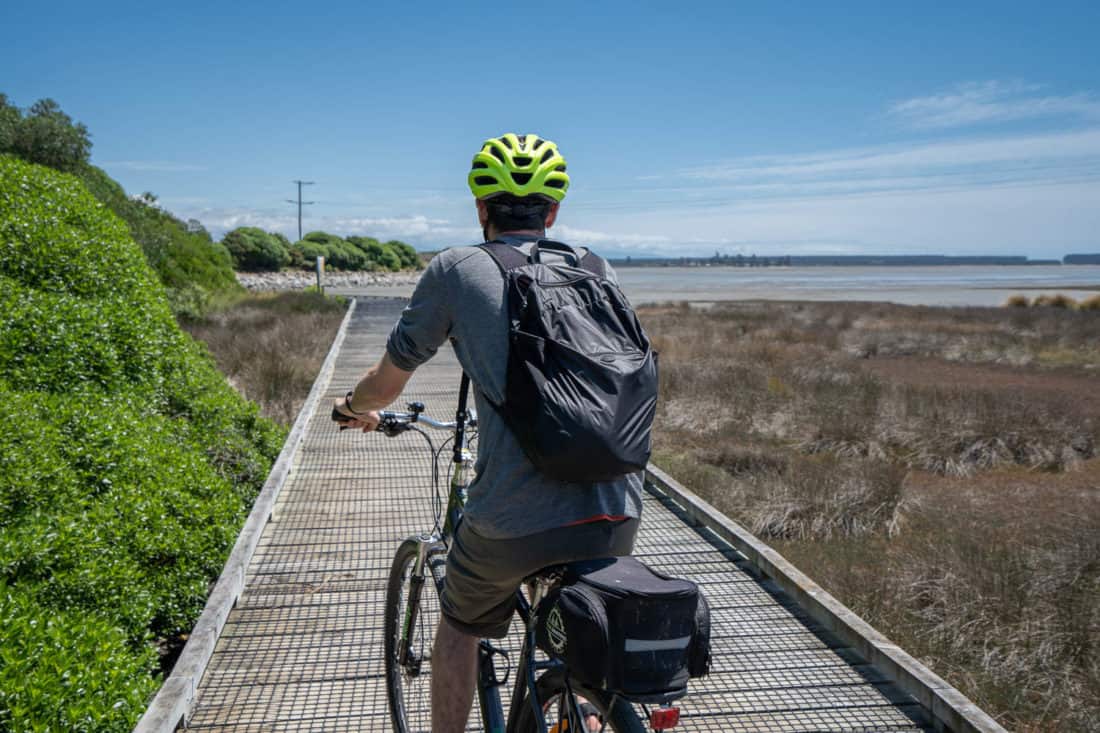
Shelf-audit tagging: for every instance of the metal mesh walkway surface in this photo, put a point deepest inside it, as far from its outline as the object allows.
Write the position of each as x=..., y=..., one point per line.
x=302, y=648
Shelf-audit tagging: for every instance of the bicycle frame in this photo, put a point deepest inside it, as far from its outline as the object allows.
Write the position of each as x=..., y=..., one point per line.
x=524, y=690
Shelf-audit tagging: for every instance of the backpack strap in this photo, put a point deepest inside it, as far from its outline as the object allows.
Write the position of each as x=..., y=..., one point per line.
x=594, y=264
x=591, y=262
x=506, y=256
x=509, y=257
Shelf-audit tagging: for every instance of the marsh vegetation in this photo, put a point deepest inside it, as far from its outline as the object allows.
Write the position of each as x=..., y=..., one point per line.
x=270, y=346
x=935, y=469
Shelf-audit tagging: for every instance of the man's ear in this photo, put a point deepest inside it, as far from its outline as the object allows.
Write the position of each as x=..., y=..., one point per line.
x=552, y=214
x=482, y=213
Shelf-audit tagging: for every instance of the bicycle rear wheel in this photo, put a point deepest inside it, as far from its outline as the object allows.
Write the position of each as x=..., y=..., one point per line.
x=618, y=714
x=409, y=625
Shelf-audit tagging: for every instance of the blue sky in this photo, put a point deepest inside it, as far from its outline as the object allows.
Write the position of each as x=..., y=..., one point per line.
x=767, y=128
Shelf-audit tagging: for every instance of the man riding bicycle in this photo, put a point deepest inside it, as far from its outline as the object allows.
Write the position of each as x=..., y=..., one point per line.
x=517, y=519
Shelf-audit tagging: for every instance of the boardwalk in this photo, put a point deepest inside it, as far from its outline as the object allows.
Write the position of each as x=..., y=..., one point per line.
x=301, y=648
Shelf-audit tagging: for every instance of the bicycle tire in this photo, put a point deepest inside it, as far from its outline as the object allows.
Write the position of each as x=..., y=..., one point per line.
x=408, y=687
x=621, y=718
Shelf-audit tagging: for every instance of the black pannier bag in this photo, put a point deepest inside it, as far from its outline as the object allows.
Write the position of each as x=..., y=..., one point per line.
x=581, y=389
x=619, y=625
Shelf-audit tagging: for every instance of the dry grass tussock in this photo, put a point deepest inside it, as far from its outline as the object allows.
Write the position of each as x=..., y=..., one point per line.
x=270, y=347
x=937, y=469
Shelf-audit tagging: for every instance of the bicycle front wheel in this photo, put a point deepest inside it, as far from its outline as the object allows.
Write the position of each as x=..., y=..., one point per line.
x=618, y=714
x=409, y=625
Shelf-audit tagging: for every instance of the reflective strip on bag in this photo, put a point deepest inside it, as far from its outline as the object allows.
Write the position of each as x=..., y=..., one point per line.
x=656, y=645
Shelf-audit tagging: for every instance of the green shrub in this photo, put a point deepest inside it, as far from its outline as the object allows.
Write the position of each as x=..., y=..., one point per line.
x=144, y=461
x=410, y=260
x=304, y=253
x=68, y=670
x=254, y=249
x=1017, y=301
x=381, y=256
x=193, y=267
x=339, y=253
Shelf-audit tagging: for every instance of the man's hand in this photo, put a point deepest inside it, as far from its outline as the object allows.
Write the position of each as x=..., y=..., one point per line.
x=367, y=421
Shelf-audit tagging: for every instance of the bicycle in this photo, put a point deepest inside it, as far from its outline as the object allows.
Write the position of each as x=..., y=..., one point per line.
x=544, y=698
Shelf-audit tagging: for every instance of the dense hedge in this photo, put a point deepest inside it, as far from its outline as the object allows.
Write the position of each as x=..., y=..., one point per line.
x=339, y=253
x=255, y=250
x=127, y=463
x=354, y=253
x=193, y=267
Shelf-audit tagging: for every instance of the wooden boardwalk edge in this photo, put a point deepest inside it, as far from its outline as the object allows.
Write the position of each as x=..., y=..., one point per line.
x=949, y=708
x=174, y=700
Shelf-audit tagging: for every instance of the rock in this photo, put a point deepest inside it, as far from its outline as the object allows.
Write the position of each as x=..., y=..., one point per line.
x=300, y=280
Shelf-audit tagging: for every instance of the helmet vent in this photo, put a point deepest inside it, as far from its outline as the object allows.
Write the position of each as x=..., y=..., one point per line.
x=508, y=142
x=547, y=155
x=497, y=154
x=480, y=164
x=485, y=180
x=521, y=178
x=522, y=160
x=555, y=183
x=560, y=168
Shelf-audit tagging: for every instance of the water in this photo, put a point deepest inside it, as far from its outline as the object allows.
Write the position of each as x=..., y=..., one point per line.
x=944, y=285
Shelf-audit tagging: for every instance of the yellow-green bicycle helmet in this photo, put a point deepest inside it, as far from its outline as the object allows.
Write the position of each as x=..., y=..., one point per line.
x=522, y=165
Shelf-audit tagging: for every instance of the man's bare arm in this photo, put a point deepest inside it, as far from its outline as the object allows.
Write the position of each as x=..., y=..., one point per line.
x=382, y=384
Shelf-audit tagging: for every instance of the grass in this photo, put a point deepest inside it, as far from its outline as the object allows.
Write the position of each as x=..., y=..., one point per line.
x=271, y=346
x=937, y=470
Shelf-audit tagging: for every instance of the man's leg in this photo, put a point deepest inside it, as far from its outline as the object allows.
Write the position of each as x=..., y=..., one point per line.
x=454, y=671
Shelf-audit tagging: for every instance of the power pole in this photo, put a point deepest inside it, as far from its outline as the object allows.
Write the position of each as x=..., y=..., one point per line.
x=300, y=204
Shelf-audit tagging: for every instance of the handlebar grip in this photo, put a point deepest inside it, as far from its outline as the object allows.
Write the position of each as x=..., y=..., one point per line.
x=341, y=419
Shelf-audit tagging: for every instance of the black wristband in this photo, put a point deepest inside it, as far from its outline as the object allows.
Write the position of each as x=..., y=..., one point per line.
x=347, y=403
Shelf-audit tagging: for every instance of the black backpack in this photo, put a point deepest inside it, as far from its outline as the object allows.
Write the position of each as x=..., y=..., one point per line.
x=581, y=389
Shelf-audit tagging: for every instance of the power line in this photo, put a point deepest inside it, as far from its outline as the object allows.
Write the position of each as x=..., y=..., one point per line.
x=300, y=204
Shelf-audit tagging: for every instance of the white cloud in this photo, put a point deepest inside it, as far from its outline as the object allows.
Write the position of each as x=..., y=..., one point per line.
x=991, y=102
x=1025, y=194
x=1027, y=153
x=417, y=229
x=594, y=237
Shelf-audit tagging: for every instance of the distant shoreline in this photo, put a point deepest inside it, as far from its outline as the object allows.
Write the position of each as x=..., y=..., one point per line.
x=788, y=261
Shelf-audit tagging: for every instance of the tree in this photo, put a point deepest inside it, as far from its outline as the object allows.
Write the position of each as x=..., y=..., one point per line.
x=44, y=135
x=9, y=124
x=254, y=249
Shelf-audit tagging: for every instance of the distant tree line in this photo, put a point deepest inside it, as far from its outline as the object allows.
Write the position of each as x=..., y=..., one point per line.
x=718, y=260
x=1082, y=259
x=255, y=250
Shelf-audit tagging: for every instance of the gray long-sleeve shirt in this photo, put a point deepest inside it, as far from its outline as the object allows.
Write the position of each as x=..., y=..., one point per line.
x=461, y=296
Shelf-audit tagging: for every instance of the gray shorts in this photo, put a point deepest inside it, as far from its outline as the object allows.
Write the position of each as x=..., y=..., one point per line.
x=479, y=595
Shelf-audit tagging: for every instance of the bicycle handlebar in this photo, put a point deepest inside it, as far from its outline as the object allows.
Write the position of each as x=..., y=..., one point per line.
x=393, y=423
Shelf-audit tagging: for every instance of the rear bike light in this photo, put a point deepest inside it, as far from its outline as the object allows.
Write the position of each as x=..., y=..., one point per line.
x=664, y=718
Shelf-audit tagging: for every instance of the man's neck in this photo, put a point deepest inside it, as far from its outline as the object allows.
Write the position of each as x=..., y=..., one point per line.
x=494, y=234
